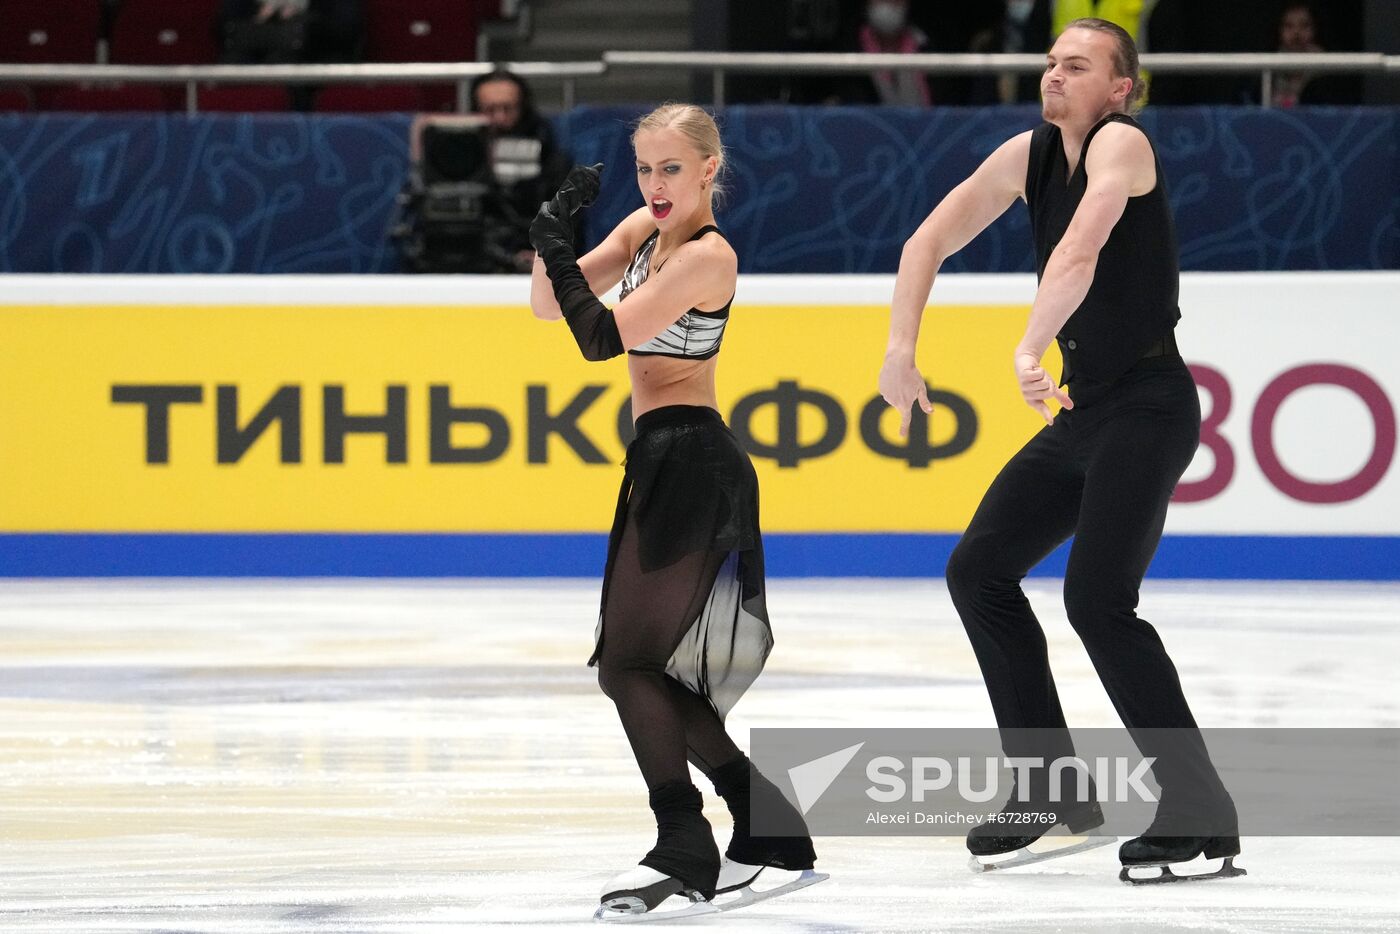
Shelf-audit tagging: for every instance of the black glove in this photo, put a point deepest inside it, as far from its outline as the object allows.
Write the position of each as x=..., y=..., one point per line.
x=580, y=189
x=552, y=229
x=553, y=238
x=552, y=235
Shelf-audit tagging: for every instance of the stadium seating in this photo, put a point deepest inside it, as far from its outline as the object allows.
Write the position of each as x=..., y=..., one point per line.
x=161, y=32
x=51, y=32
x=371, y=98
x=134, y=97
x=12, y=99
x=244, y=98
x=421, y=30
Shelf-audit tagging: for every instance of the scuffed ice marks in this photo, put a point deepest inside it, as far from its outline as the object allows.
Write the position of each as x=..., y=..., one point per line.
x=270, y=757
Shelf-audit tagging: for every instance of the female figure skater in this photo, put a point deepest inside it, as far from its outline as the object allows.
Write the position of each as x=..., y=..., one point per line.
x=684, y=629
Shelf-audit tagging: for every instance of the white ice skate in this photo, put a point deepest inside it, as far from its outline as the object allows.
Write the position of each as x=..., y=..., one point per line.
x=637, y=894
x=741, y=885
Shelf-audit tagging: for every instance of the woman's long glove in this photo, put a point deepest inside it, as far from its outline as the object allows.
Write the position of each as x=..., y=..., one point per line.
x=552, y=235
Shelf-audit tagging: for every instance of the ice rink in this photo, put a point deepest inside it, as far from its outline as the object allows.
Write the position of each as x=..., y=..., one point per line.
x=272, y=756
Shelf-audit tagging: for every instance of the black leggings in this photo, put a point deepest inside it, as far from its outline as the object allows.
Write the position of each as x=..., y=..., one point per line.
x=1103, y=474
x=646, y=614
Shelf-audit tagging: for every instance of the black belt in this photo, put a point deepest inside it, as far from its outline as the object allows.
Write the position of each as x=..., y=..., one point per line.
x=1164, y=346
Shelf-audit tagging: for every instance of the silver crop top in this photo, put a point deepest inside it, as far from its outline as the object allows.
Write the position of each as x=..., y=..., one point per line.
x=696, y=335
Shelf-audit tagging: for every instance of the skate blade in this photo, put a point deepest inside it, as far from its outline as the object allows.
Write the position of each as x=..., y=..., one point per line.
x=1227, y=870
x=747, y=895
x=1027, y=856
x=630, y=910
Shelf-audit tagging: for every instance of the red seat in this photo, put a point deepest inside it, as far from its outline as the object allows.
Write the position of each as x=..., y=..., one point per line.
x=165, y=32
x=54, y=31
x=244, y=98
x=373, y=98
x=138, y=97
x=439, y=98
x=421, y=30
x=14, y=99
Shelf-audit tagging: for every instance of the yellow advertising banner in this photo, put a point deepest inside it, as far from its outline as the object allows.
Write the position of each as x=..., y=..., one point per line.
x=472, y=417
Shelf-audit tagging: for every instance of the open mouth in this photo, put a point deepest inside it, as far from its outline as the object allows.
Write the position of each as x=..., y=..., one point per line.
x=660, y=207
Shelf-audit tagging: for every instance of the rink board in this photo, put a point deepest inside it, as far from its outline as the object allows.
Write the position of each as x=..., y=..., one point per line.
x=382, y=426
x=893, y=554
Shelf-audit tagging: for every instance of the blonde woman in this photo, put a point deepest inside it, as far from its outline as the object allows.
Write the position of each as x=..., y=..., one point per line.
x=684, y=629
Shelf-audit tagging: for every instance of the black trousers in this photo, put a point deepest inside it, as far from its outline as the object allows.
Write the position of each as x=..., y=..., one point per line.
x=1102, y=474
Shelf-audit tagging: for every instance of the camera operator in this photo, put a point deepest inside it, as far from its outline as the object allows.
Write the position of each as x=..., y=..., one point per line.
x=527, y=163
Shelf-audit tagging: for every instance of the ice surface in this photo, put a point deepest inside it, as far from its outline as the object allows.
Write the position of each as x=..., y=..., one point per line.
x=273, y=756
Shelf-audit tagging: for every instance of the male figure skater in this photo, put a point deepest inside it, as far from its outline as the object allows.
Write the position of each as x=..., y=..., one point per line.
x=1104, y=468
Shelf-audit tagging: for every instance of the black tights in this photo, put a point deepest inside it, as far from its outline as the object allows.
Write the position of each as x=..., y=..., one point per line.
x=645, y=616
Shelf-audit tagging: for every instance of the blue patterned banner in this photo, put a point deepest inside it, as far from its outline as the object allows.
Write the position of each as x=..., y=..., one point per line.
x=811, y=189
x=247, y=193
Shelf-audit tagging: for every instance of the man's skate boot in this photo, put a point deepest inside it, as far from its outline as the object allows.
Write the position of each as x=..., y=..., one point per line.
x=1160, y=847
x=1021, y=823
x=684, y=862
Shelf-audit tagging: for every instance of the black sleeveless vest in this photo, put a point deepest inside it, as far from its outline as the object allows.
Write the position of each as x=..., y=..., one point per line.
x=1133, y=299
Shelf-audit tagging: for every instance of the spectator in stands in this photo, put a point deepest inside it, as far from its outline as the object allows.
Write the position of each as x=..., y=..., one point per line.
x=283, y=9
x=1132, y=15
x=1297, y=32
x=1023, y=27
x=287, y=31
x=526, y=161
x=887, y=30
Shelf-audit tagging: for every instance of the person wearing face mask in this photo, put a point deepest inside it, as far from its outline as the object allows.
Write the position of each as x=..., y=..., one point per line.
x=1021, y=26
x=887, y=30
x=683, y=629
x=1297, y=33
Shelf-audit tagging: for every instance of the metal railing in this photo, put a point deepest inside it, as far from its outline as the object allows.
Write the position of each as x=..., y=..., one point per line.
x=192, y=76
x=1265, y=64
x=718, y=64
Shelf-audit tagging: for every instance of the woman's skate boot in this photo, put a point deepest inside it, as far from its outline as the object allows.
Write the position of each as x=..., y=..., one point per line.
x=684, y=862
x=784, y=847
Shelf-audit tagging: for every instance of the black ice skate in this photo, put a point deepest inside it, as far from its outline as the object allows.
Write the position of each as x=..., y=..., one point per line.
x=757, y=868
x=1161, y=853
x=1169, y=842
x=684, y=863
x=1004, y=840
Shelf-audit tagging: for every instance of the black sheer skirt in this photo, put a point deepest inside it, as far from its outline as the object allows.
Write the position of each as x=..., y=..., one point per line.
x=684, y=589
